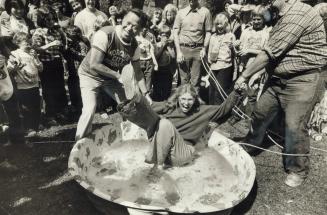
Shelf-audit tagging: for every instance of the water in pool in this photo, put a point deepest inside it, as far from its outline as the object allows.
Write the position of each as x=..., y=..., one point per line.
x=122, y=173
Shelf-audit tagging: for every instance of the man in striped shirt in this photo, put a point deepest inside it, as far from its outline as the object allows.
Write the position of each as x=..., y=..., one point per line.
x=294, y=56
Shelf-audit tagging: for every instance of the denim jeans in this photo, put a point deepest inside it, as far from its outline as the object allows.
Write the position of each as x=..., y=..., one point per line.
x=190, y=69
x=295, y=97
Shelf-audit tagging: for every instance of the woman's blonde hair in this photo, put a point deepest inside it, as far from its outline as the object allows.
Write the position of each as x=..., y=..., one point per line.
x=168, y=8
x=185, y=88
x=223, y=16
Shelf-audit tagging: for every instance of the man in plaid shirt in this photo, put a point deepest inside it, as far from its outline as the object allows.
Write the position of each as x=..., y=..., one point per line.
x=294, y=56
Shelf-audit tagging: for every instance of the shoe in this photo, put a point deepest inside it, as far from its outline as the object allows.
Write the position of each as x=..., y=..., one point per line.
x=294, y=180
x=30, y=133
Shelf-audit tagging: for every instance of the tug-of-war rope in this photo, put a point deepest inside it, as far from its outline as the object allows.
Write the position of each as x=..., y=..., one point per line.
x=243, y=115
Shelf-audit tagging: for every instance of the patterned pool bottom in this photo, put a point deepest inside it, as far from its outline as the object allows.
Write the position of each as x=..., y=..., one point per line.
x=121, y=173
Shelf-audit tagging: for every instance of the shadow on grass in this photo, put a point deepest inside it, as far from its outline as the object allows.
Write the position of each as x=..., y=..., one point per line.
x=247, y=203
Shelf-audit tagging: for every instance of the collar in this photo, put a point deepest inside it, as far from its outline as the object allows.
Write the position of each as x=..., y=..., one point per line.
x=189, y=9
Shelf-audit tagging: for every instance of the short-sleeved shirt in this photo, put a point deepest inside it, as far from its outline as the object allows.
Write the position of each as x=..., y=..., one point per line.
x=117, y=52
x=252, y=39
x=193, y=24
x=297, y=43
x=220, y=53
x=85, y=20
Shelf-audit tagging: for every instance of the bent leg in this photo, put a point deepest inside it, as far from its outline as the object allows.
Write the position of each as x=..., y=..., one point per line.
x=168, y=146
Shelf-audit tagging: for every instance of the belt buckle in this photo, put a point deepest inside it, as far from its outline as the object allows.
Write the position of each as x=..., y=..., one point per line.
x=192, y=45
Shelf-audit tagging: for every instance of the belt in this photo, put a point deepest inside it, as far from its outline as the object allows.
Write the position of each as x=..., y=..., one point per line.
x=192, y=45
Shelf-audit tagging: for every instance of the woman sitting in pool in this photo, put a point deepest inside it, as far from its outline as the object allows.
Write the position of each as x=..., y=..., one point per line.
x=182, y=123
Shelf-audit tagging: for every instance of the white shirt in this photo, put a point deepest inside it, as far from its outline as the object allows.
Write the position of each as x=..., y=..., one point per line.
x=85, y=20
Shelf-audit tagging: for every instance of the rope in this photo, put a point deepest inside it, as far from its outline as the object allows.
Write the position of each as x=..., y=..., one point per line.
x=221, y=90
x=279, y=153
x=242, y=114
x=59, y=141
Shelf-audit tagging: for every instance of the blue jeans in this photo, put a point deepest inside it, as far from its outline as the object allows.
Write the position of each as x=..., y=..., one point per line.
x=295, y=97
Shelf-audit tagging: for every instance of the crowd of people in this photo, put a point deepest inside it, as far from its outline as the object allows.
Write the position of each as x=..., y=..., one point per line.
x=60, y=61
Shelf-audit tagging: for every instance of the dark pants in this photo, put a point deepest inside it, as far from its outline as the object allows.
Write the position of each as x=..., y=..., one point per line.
x=225, y=79
x=147, y=69
x=30, y=106
x=190, y=69
x=53, y=87
x=295, y=97
x=16, y=129
x=73, y=86
x=162, y=82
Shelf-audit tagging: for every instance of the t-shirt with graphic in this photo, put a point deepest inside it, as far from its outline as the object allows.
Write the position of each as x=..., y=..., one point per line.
x=117, y=53
x=252, y=39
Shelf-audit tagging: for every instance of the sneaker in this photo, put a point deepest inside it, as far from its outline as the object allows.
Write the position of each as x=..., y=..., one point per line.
x=294, y=180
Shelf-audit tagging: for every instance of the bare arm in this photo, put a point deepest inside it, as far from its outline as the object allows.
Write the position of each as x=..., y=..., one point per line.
x=259, y=63
x=176, y=40
x=153, y=57
x=96, y=64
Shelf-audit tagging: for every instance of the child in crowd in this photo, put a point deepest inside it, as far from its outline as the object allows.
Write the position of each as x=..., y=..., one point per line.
x=25, y=65
x=168, y=16
x=77, y=7
x=221, y=57
x=252, y=41
x=50, y=41
x=165, y=54
x=119, y=17
x=77, y=49
x=113, y=11
x=63, y=20
x=148, y=60
x=155, y=20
